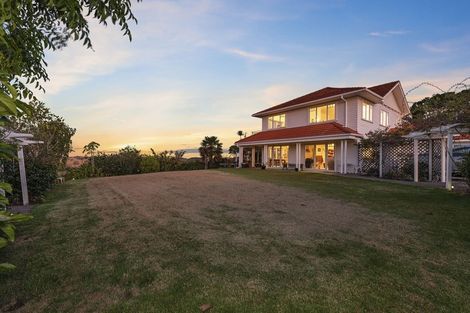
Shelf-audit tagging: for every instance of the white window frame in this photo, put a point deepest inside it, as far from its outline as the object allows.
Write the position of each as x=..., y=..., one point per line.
x=277, y=121
x=367, y=112
x=328, y=118
x=384, y=118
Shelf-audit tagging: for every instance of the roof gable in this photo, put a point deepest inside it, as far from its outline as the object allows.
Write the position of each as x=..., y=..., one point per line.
x=383, y=89
x=398, y=93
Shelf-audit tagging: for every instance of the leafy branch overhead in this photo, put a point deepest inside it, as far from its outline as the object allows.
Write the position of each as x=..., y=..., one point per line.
x=30, y=27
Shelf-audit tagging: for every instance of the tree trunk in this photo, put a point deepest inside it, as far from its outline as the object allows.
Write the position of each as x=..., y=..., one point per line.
x=93, y=165
x=206, y=163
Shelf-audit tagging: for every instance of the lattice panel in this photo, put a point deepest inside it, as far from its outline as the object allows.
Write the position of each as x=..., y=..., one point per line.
x=397, y=160
x=436, y=159
x=369, y=160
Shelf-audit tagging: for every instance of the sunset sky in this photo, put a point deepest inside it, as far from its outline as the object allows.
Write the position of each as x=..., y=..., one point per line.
x=197, y=68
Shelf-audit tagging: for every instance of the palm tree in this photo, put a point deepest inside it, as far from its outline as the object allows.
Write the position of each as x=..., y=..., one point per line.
x=90, y=149
x=240, y=133
x=165, y=158
x=233, y=151
x=210, y=150
x=179, y=155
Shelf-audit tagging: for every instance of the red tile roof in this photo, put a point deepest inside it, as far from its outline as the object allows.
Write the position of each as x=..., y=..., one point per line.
x=383, y=89
x=327, y=92
x=316, y=95
x=313, y=130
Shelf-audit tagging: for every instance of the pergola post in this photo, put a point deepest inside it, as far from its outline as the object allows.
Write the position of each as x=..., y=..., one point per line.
x=443, y=160
x=443, y=132
x=240, y=156
x=21, y=139
x=430, y=160
x=415, y=160
x=380, y=160
x=24, y=184
x=253, y=155
x=449, y=161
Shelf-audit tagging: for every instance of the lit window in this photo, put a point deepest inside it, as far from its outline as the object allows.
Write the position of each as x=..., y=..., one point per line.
x=277, y=121
x=384, y=118
x=322, y=113
x=367, y=112
x=331, y=112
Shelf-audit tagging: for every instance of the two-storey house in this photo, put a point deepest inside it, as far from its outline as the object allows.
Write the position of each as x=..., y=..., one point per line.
x=321, y=130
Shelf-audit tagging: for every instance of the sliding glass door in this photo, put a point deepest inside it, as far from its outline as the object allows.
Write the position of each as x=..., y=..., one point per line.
x=320, y=156
x=330, y=157
x=278, y=156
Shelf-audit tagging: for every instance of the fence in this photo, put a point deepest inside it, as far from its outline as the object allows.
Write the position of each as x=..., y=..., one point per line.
x=395, y=160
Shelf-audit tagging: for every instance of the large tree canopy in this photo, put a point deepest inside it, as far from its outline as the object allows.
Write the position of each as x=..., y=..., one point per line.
x=441, y=109
x=30, y=27
x=49, y=128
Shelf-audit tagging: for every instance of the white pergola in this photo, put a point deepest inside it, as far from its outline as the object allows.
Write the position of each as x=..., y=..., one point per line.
x=21, y=139
x=446, y=134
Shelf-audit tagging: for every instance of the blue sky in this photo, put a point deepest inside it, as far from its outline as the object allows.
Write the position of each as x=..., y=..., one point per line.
x=197, y=68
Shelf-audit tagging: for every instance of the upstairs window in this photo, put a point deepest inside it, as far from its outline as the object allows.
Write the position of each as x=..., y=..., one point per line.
x=367, y=112
x=277, y=121
x=322, y=113
x=384, y=118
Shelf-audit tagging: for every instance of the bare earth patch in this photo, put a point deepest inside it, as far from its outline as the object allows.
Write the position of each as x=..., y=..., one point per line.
x=196, y=196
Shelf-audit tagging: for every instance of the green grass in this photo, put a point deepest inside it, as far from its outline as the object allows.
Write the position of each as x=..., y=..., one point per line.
x=70, y=258
x=444, y=215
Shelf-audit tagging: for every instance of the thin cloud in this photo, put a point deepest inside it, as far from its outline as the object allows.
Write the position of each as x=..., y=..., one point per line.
x=449, y=45
x=253, y=56
x=388, y=33
x=76, y=64
x=436, y=48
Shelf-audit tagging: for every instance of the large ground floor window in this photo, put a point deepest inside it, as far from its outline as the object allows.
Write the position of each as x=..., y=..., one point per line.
x=320, y=156
x=258, y=156
x=248, y=156
x=278, y=156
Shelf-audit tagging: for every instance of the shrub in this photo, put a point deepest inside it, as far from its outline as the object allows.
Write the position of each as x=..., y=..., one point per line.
x=464, y=168
x=407, y=171
x=117, y=164
x=83, y=171
x=129, y=161
x=149, y=164
x=40, y=177
x=190, y=166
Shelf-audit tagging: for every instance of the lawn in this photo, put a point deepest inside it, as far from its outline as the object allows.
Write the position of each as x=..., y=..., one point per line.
x=241, y=241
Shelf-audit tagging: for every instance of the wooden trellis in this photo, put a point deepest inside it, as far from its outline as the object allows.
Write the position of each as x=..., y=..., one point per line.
x=395, y=160
x=421, y=156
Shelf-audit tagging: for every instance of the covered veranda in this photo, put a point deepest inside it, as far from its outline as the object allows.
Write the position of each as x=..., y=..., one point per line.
x=321, y=146
x=335, y=154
